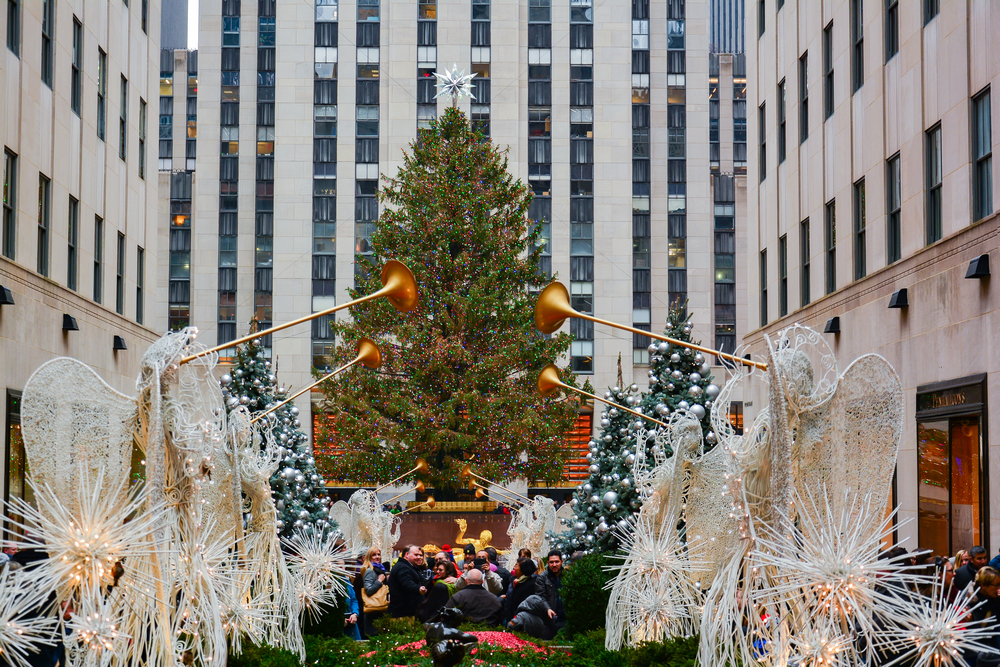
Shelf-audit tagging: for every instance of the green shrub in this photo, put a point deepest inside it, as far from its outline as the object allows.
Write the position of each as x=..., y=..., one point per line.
x=672, y=653
x=583, y=594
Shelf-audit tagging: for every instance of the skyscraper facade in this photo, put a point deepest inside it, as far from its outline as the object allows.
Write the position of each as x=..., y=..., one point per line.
x=872, y=219
x=601, y=106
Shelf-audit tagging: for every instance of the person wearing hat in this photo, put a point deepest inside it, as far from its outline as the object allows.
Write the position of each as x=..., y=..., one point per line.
x=447, y=549
x=468, y=554
x=522, y=585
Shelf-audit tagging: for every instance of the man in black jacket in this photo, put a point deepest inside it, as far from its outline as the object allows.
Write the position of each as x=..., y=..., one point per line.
x=405, y=584
x=477, y=604
x=549, y=586
x=966, y=574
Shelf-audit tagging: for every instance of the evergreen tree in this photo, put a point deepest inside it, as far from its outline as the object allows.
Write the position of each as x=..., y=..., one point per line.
x=297, y=488
x=609, y=497
x=457, y=381
x=679, y=377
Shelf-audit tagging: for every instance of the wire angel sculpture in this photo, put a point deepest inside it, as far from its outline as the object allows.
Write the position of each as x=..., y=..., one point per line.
x=364, y=524
x=530, y=528
x=162, y=572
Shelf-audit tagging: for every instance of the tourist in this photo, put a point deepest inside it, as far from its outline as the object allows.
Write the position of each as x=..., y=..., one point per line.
x=549, y=585
x=447, y=550
x=501, y=571
x=995, y=563
x=441, y=588
x=532, y=618
x=493, y=583
x=475, y=602
x=522, y=585
x=945, y=572
x=468, y=553
x=406, y=588
x=368, y=584
x=966, y=574
x=988, y=613
x=961, y=559
x=351, y=616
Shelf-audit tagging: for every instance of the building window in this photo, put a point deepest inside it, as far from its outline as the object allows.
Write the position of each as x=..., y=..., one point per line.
x=76, y=83
x=44, y=220
x=782, y=144
x=982, y=155
x=73, y=243
x=102, y=90
x=893, y=248
x=783, y=276
x=14, y=26
x=934, y=181
x=144, y=18
x=860, y=224
x=140, y=283
x=763, y=287
x=857, y=45
x=9, y=203
x=17, y=461
x=48, y=32
x=828, y=70
x=123, y=122
x=142, y=138
x=804, y=97
x=891, y=29
x=98, y=258
x=230, y=30
x=804, y=253
x=120, y=276
x=762, y=141
x=761, y=23
x=830, y=245
x=931, y=9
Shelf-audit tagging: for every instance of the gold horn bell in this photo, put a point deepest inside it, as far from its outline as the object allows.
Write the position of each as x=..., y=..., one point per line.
x=549, y=383
x=398, y=285
x=553, y=308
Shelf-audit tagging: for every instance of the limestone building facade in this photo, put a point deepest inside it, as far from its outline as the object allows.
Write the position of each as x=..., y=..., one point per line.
x=871, y=216
x=607, y=110
x=78, y=82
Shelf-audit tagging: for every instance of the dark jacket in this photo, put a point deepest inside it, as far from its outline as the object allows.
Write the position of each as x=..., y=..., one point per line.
x=548, y=586
x=404, y=589
x=964, y=576
x=504, y=575
x=433, y=602
x=516, y=594
x=532, y=617
x=478, y=604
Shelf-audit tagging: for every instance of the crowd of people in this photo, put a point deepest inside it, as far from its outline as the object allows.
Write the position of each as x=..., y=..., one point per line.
x=527, y=599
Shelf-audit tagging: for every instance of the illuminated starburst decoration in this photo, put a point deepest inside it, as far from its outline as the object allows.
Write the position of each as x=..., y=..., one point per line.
x=933, y=632
x=86, y=548
x=22, y=632
x=316, y=561
x=454, y=84
x=95, y=635
x=654, y=596
x=818, y=645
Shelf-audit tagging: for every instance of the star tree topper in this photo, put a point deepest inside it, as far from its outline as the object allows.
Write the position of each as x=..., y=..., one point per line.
x=454, y=84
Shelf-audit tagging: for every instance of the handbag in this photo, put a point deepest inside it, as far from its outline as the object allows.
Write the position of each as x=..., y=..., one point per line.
x=377, y=602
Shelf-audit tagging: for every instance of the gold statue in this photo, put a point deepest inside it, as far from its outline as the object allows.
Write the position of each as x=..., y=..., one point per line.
x=484, y=541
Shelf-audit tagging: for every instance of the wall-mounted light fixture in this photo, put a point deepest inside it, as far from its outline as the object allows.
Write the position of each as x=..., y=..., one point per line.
x=832, y=326
x=69, y=323
x=899, y=299
x=979, y=267
x=119, y=344
x=6, y=298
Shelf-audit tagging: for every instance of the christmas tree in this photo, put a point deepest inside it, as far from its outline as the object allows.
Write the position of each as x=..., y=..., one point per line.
x=457, y=382
x=680, y=378
x=296, y=486
x=605, y=501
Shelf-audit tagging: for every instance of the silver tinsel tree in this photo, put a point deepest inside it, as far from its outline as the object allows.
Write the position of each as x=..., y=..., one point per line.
x=296, y=486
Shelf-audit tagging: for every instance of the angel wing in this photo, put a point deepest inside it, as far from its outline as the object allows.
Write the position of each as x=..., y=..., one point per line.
x=73, y=421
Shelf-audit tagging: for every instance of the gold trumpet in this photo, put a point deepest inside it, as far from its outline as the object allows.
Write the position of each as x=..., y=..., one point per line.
x=398, y=285
x=430, y=503
x=549, y=382
x=368, y=354
x=467, y=472
x=482, y=490
x=553, y=307
x=421, y=466
x=418, y=487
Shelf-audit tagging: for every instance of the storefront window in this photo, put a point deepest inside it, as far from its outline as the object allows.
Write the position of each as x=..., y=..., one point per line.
x=950, y=469
x=17, y=463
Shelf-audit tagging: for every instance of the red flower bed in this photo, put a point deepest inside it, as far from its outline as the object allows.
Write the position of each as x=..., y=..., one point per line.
x=504, y=640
